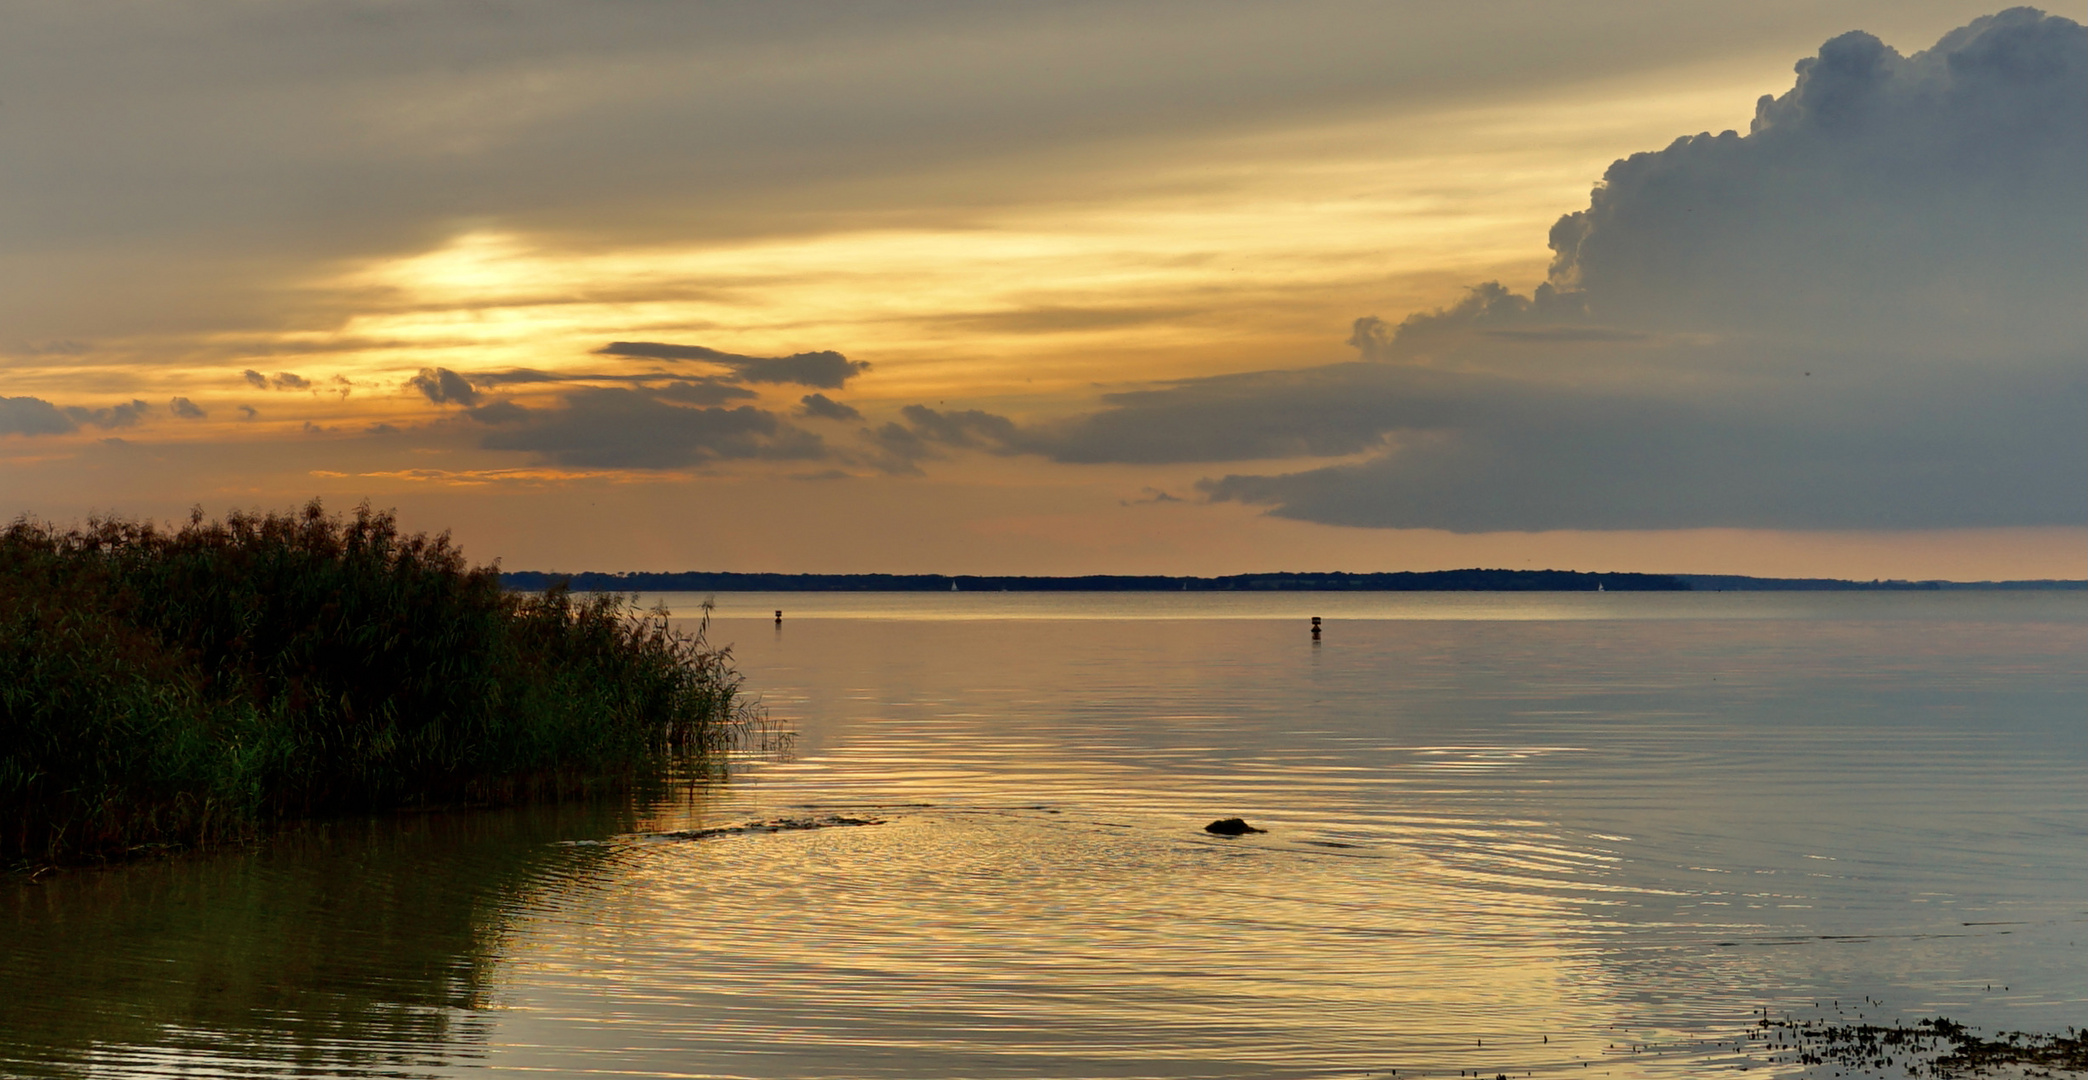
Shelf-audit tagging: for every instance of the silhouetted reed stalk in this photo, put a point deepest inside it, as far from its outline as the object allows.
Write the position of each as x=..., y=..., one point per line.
x=178, y=686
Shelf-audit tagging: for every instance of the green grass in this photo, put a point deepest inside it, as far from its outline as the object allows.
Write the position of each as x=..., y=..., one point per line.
x=163, y=686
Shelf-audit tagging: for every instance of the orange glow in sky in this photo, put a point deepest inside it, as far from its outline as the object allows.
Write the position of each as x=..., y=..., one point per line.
x=244, y=290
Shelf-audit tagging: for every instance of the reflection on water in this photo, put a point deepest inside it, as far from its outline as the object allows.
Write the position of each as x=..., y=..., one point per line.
x=343, y=948
x=1583, y=843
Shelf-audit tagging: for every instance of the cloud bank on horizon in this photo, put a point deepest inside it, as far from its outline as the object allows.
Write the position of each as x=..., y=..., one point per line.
x=661, y=419
x=1866, y=312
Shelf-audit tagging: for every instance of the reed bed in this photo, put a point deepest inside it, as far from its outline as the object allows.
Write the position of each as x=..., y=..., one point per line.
x=176, y=686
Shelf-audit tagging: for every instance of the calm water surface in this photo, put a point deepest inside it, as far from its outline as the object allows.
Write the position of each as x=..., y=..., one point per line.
x=1549, y=835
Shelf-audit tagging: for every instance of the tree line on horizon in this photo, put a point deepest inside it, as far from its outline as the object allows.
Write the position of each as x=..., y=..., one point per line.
x=1333, y=581
x=1471, y=580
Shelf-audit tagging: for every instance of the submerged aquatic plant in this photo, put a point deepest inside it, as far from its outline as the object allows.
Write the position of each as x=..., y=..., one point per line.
x=174, y=686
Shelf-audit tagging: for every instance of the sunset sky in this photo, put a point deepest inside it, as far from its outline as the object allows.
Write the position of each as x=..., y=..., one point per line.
x=1125, y=287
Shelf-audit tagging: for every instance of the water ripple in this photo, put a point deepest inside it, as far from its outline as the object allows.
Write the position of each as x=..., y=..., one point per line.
x=1573, y=843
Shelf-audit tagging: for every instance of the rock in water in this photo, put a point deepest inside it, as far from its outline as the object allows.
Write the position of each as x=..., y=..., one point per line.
x=1231, y=826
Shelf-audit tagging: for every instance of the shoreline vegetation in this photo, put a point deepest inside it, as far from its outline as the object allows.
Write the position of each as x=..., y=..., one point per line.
x=169, y=687
x=1474, y=580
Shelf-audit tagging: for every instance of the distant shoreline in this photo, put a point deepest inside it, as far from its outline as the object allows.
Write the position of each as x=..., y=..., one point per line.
x=1474, y=580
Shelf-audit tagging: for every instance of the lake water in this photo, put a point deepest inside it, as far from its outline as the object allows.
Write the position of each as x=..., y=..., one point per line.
x=1546, y=835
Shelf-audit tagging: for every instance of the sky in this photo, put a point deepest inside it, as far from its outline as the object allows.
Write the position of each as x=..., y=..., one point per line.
x=1201, y=287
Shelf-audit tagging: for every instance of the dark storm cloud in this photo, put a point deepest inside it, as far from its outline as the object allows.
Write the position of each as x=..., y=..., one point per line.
x=826, y=370
x=898, y=449
x=1489, y=308
x=970, y=428
x=444, y=387
x=1863, y=314
x=1964, y=451
x=186, y=409
x=822, y=407
x=501, y=411
x=32, y=416
x=688, y=389
x=701, y=391
x=1327, y=412
x=125, y=415
x=35, y=416
x=283, y=380
x=1474, y=452
x=612, y=427
x=1489, y=311
x=1330, y=411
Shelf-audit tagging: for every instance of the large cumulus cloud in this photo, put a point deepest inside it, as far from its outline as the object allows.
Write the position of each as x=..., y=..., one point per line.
x=1864, y=313
x=1938, y=189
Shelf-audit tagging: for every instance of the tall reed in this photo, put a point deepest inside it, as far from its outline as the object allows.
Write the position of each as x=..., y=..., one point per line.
x=170, y=686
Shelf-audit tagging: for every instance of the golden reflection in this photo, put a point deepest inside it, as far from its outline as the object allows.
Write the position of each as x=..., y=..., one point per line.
x=333, y=948
x=1547, y=848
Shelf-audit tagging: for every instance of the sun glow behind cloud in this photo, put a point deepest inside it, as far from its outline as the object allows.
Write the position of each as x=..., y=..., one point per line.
x=1225, y=254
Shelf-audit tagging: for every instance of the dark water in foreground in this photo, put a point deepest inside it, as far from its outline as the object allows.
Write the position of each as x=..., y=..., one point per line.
x=1555, y=835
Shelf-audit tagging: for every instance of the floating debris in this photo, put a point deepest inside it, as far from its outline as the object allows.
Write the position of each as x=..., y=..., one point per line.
x=774, y=825
x=1822, y=1049
x=1938, y=1047
x=1231, y=826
